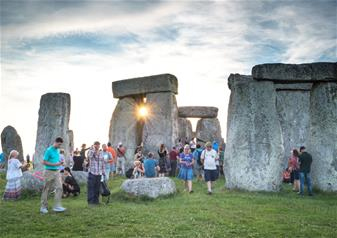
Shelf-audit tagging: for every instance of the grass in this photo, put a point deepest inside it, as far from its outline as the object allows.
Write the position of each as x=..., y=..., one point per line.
x=224, y=214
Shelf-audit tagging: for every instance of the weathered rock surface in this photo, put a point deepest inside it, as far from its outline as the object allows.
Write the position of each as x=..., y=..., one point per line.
x=144, y=85
x=293, y=112
x=162, y=125
x=80, y=176
x=54, y=115
x=293, y=86
x=32, y=181
x=254, y=150
x=209, y=129
x=185, y=128
x=323, y=135
x=149, y=187
x=198, y=112
x=123, y=127
x=314, y=72
x=10, y=140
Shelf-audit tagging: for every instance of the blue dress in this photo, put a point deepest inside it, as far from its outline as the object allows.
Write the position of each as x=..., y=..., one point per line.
x=186, y=170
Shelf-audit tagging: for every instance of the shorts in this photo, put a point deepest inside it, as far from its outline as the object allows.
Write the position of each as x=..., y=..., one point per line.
x=211, y=175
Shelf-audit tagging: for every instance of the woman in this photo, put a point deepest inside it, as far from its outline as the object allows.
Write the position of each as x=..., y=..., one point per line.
x=293, y=167
x=139, y=155
x=14, y=174
x=162, y=152
x=186, y=162
x=70, y=186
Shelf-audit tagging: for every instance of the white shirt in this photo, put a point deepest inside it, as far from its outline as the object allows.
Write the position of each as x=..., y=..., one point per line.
x=210, y=158
x=14, y=169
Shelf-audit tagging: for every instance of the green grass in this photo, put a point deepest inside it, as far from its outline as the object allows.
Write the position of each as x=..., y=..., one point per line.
x=224, y=214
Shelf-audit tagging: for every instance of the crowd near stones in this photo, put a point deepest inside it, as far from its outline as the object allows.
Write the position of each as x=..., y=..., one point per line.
x=273, y=115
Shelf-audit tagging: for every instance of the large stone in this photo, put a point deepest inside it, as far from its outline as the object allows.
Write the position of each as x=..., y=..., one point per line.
x=293, y=86
x=254, y=150
x=10, y=140
x=144, y=85
x=124, y=127
x=323, y=135
x=81, y=177
x=54, y=115
x=314, y=72
x=293, y=112
x=209, y=129
x=198, y=112
x=149, y=187
x=185, y=128
x=162, y=125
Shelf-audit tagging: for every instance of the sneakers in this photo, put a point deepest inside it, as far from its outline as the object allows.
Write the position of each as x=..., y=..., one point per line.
x=59, y=209
x=209, y=193
x=43, y=210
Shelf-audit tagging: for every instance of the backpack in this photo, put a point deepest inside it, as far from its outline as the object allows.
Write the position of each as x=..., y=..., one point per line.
x=129, y=173
x=199, y=152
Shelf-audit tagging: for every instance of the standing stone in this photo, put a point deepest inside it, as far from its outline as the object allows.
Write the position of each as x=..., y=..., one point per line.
x=162, y=124
x=123, y=127
x=254, y=150
x=54, y=115
x=293, y=112
x=10, y=140
x=209, y=129
x=323, y=140
x=185, y=128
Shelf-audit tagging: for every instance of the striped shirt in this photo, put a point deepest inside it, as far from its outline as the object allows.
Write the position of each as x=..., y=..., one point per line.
x=96, y=162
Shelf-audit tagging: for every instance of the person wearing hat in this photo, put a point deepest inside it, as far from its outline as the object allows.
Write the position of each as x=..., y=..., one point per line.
x=186, y=162
x=209, y=157
x=121, y=159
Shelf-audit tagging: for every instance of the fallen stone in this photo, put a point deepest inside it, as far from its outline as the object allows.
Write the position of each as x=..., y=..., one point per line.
x=198, y=112
x=283, y=73
x=53, y=122
x=81, y=177
x=10, y=140
x=254, y=149
x=209, y=129
x=185, y=128
x=144, y=85
x=149, y=187
x=323, y=134
x=32, y=181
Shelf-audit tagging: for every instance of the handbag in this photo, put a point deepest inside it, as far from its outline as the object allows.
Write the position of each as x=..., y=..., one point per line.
x=104, y=190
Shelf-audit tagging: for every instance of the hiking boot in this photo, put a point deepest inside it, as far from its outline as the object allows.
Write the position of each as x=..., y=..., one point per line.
x=59, y=209
x=43, y=210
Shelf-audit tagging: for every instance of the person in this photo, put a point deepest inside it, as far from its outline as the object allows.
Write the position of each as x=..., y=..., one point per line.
x=139, y=155
x=84, y=158
x=305, y=160
x=162, y=152
x=52, y=177
x=107, y=160
x=198, y=167
x=173, y=161
x=78, y=161
x=193, y=145
x=27, y=158
x=2, y=160
x=209, y=157
x=293, y=168
x=215, y=147
x=221, y=160
x=138, y=170
x=186, y=162
x=96, y=170
x=70, y=186
x=121, y=159
x=150, y=166
x=13, y=177
x=113, y=161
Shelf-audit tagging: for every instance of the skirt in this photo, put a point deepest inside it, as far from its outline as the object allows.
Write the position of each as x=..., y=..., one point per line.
x=185, y=173
x=13, y=189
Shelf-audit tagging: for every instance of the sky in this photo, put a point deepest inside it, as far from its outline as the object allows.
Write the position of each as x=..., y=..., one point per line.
x=81, y=47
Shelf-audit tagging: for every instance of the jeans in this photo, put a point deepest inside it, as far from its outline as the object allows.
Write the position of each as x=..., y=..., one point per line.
x=94, y=183
x=52, y=181
x=121, y=165
x=305, y=175
x=107, y=172
x=173, y=168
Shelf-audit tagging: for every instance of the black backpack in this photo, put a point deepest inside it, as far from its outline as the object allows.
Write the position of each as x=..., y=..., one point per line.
x=129, y=173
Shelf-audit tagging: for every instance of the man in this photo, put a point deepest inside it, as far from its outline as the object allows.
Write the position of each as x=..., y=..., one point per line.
x=209, y=157
x=52, y=177
x=173, y=161
x=121, y=159
x=107, y=159
x=96, y=170
x=197, y=167
x=113, y=161
x=305, y=160
x=150, y=166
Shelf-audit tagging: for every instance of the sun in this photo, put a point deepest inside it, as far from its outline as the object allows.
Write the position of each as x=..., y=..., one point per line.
x=143, y=112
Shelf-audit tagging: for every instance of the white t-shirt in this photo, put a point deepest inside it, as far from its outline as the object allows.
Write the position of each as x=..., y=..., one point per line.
x=210, y=158
x=14, y=170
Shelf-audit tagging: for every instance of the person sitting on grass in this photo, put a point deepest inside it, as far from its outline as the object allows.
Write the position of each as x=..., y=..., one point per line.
x=150, y=166
x=209, y=157
x=186, y=162
x=70, y=186
x=138, y=170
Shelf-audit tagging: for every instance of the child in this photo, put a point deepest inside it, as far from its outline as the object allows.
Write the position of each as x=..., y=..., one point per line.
x=70, y=185
x=14, y=174
x=138, y=171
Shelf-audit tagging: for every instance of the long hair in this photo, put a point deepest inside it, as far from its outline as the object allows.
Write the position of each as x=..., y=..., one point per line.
x=11, y=154
x=68, y=170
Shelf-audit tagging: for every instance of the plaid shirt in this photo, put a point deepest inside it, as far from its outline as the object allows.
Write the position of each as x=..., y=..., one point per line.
x=96, y=162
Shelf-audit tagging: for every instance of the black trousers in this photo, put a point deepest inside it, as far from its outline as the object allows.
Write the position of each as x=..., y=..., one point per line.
x=94, y=182
x=173, y=168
